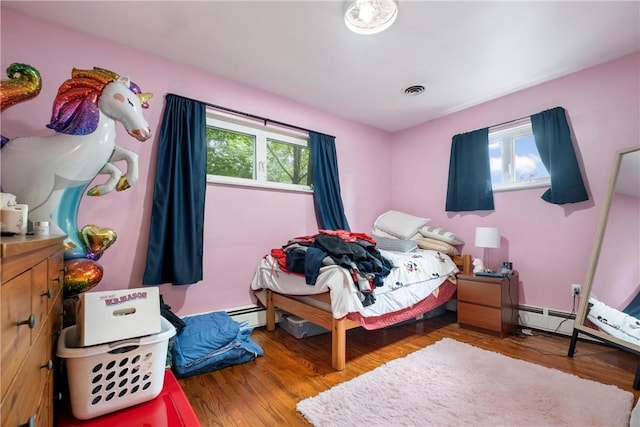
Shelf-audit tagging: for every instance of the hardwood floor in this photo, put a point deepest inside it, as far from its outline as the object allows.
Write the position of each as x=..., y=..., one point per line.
x=265, y=392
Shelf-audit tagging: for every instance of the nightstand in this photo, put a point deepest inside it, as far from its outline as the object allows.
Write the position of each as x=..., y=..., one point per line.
x=488, y=303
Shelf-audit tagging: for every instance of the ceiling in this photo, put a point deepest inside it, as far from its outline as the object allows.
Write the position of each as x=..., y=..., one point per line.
x=464, y=53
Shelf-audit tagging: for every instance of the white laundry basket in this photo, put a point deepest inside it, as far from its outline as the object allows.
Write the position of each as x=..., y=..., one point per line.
x=109, y=377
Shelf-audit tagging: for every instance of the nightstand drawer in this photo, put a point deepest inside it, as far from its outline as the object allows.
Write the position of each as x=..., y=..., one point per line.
x=479, y=316
x=480, y=293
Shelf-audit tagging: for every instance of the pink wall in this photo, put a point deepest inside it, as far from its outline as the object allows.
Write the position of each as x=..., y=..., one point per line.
x=241, y=224
x=550, y=245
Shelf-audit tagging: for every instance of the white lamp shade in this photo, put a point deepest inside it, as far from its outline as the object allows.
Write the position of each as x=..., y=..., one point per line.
x=487, y=237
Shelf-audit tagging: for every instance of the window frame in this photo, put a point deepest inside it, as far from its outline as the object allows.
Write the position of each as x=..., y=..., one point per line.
x=262, y=134
x=513, y=130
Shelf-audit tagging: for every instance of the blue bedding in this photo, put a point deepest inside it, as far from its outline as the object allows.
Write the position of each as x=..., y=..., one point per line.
x=210, y=342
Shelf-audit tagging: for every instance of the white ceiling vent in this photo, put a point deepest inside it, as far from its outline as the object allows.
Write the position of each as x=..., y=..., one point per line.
x=414, y=90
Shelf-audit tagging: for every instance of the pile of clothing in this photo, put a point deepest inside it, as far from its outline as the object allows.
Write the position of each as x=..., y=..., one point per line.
x=356, y=252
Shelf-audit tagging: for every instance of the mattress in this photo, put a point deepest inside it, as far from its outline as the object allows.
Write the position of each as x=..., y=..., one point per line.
x=414, y=277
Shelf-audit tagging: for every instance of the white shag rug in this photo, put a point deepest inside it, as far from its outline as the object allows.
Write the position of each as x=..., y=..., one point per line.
x=451, y=383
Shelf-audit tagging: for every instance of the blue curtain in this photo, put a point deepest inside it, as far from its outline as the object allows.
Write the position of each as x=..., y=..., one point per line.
x=553, y=139
x=633, y=309
x=469, y=187
x=174, y=252
x=326, y=183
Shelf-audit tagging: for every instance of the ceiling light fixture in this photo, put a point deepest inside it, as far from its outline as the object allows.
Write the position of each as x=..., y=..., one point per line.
x=370, y=16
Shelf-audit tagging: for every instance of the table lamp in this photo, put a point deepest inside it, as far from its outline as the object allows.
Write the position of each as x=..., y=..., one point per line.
x=487, y=237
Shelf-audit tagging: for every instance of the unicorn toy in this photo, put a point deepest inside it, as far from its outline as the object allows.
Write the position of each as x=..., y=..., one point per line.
x=24, y=83
x=50, y=174
x=478, y=265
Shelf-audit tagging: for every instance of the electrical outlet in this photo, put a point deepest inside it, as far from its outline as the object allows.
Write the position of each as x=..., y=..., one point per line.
x=576, y=290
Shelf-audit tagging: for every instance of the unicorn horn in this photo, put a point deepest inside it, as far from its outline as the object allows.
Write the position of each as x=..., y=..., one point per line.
x=144, y=97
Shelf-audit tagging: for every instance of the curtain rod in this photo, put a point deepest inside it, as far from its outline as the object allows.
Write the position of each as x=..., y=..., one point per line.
x=251, y=116
x=510, y=121
x=522, y=118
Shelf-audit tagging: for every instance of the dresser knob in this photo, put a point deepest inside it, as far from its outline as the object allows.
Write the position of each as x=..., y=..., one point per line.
x=31, y=322
x=48, y=365
x=49, y=293
x=30, y=423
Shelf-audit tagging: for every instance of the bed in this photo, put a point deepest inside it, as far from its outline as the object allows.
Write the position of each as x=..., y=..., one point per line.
x=420, y=281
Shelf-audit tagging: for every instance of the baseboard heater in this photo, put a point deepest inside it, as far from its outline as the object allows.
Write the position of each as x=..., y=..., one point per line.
x=545, y=319
x=254, y=315
x=529, y=316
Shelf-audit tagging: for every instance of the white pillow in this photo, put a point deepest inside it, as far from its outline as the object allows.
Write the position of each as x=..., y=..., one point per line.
x=379, y=233
x=400, y=225
x=437, y=245
x=396, y=245
x=441, y=234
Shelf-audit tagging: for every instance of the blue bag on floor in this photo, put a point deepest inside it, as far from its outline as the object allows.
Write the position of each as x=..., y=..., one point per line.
x=210, y=342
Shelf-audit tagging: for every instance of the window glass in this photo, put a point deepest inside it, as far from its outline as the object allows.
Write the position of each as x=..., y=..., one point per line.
x=514, y=159
x=245, y=153
x=287, y=163
x=230, y=153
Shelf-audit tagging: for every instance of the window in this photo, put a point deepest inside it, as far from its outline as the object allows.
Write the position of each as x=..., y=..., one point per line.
x=514, y=159
x=245, y=153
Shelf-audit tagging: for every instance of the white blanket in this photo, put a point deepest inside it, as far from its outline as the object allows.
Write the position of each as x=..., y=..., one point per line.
x=614, y=322
x=415, y=276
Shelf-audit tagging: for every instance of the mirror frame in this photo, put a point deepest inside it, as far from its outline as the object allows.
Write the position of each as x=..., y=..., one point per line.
x=581, y=317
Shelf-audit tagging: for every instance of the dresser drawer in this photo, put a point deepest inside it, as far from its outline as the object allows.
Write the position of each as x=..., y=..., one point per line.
x=40, y=294
x=21, y=253
x=44, y=414
x=56, y=273
x=25, y=395
x=55, y=318
x=479, y=293
x=479, y=316
x=16, y=340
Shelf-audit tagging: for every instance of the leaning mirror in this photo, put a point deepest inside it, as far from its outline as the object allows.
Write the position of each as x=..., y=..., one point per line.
x=610, y=304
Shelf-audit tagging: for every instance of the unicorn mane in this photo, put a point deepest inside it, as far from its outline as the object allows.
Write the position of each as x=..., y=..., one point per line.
x=75, y=109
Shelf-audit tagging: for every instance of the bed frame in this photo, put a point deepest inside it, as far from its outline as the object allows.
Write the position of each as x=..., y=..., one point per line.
x=324, y=318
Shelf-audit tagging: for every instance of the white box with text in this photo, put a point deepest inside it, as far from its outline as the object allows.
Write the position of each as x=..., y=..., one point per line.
x=108, y=316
